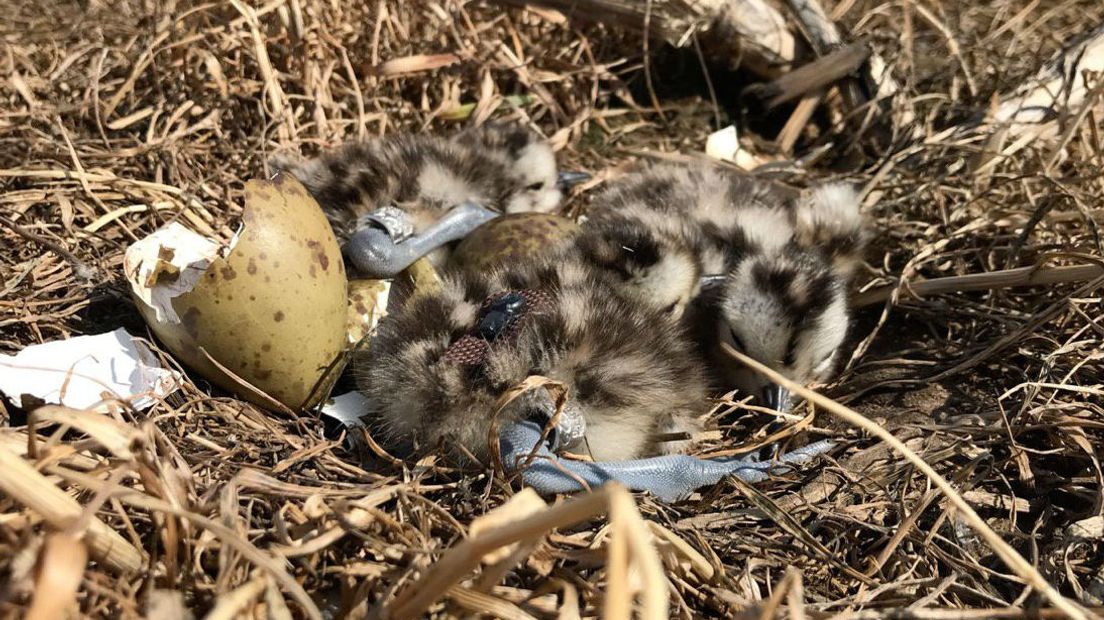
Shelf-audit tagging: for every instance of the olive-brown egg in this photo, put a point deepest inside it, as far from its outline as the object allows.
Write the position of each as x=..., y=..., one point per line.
x=513, y=237
x=270, y=314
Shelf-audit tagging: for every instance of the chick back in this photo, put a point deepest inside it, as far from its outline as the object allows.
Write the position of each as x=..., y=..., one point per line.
x=715, y=214
x=419, y=173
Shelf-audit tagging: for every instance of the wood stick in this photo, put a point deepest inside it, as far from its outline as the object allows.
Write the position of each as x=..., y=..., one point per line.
x=824, y=36
x=812, y=76
x=797, y=121
x=747, y=32
x=1005, y=278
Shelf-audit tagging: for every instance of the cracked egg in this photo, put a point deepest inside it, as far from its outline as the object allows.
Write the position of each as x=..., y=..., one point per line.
x=264, y=317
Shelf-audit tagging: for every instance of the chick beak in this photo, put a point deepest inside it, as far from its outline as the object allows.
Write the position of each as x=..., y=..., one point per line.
x=567, y=180
x=775, y=397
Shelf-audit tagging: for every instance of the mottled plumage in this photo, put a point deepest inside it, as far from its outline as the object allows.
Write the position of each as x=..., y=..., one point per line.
x=632, y=374
x=503, y=167
x=787, y=309
x=783, y=264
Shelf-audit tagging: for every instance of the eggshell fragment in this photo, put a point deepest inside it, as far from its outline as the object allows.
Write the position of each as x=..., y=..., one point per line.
x=271, y=312
x=367, y=305
x=725, y=146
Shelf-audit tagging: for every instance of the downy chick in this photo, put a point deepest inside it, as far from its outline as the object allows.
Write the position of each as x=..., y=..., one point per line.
x=774, y=272
x=663, y=227
x=437, y=367
x=403, y=187
x=785, y=305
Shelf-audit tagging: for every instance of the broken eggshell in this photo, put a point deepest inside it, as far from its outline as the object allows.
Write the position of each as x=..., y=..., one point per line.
x=420, y=277
x=368, y=301
x=269, y=312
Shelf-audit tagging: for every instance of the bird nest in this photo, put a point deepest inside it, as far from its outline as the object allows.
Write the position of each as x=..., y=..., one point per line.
x=971, y=481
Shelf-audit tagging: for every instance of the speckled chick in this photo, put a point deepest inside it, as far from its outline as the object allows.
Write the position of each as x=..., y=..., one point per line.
x=633, y=375
x=504, y=167
x=782, y=264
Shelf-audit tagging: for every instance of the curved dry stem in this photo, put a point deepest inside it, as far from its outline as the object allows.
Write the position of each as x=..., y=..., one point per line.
x=1005, y=278
x=1007, y=554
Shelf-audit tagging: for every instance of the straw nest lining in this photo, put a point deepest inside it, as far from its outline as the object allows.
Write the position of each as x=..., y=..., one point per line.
x=119, y=117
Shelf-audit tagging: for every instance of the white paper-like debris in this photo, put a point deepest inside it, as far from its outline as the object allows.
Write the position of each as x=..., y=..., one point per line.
x=723, y=144
x=347, y=408
x=80, y=372
x=173, y=249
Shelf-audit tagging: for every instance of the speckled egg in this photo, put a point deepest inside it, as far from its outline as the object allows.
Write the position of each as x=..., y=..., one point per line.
x=271, y=313
x=513, y=237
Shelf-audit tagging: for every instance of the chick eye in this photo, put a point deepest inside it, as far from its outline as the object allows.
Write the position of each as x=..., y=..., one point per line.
x=739, y=344
x=671, y=308
x=535, y=186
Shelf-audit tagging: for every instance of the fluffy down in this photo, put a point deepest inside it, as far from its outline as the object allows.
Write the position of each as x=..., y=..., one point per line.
x=631, y=373
x=829, y=218
x=502, y=167
x=783, y=264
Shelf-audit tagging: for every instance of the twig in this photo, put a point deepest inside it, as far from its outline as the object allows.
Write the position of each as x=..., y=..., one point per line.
x=24, y=484
x=461, y=559
x=813, y=76
x=824, y=36
x=791, y=131
x=81, y=269
x=1006, y=278
x=264, y=561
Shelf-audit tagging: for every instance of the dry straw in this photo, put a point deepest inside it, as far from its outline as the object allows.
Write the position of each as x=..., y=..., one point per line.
x=119, y=117
x=1010, y=556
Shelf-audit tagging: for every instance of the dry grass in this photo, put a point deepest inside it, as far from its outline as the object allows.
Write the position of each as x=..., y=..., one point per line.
x=118, y=117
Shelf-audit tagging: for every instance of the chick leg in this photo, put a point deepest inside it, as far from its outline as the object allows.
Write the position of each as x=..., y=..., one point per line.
x=668, y=477
x=381, y=252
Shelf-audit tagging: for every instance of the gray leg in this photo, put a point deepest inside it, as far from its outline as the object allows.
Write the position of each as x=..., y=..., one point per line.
x=376, y=253
x=668, y=477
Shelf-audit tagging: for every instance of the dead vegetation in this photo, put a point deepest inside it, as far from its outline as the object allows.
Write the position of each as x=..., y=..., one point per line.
x=117, y=117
